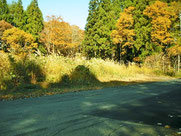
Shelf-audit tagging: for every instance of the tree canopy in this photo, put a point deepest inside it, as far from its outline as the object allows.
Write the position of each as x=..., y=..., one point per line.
x=34, y=22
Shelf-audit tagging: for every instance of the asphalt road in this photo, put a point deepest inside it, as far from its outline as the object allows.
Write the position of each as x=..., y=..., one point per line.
x=150, y=109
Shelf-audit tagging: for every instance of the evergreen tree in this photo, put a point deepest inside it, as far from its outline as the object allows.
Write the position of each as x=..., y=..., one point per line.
x=117, y=8
x=100, y=23
x=4, y=11
x=105, y=24
x=19, y=15
x=90, y=47
x=142, y=27
x=34, y=19
x=12, y=8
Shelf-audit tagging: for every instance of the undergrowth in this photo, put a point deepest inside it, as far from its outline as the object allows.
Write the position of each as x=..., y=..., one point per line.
x=22, y=74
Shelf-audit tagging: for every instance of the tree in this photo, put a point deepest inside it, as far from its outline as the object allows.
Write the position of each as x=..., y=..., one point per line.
x=90, y=47
x=34, y=19
x=105, y=24
x=77, y=37
x=124, y=34
x=175, y=50
x=3, y=27
x=4, y=11
x=117, y=8
x=12, y=8
x=19, y=42
x=101, y=21
x=161, y=23
x=57, y=35
x=142, y=27
x=19, y=15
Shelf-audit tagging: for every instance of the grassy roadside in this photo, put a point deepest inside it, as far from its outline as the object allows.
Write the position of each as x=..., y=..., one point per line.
x=31, y=76
x=31, y=91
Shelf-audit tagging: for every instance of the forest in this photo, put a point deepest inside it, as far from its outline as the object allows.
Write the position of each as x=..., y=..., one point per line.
x=123, y=40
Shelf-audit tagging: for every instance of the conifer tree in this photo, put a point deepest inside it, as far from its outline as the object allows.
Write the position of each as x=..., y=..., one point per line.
x=142, y=27
x=105, y=24
x=100, y=23
x=90, y=47
x=34, y=19
x=19, y=15
x=117, y=8
x=12, y=7
x=4, y=11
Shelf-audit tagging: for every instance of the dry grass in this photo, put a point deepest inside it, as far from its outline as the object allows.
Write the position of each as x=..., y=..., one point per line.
x=54, y=67
x=29, y=75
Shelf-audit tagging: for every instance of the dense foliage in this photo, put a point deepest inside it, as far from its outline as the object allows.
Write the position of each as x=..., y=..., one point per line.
x=34, y=23
x=18, y=42
x=59, y=37
x=100, y=22
x=3, y=27
x=19, y=19
x=150, y=28
x=121, y=30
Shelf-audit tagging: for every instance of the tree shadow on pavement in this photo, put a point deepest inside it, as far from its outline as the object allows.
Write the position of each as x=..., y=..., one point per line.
x=162, y=110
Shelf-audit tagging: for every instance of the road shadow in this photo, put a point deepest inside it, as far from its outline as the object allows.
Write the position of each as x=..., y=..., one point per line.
x=80, y=114
x=161, y=110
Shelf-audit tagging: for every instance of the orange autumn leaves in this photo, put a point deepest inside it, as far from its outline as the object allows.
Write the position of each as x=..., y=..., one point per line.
x=19, y=41
x=162, y=17
x=124, y=32
x=4, y=26
x=16, y=41
x=161, y=22
x=59, y=37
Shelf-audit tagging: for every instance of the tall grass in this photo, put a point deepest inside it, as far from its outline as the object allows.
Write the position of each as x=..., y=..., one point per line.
x=54, y=69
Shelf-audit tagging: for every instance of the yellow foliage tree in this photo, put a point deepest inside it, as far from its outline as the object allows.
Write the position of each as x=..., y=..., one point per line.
x=124, y=34
x=77, y=35
x=18, y=41
x=176, y=51
x=57, y=35
x=77, y=38
x=161, y=23
x=3, y=27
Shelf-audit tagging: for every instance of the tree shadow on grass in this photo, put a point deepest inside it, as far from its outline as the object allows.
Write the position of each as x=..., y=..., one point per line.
x=81, y=76
x=25, y=74
x=28, y=79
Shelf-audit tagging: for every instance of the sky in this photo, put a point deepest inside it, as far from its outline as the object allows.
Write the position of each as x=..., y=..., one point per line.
x=74, y=12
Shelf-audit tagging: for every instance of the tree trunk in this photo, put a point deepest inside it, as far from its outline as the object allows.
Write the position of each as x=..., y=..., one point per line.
x=163, y=64
x=118, y=52
x=178, y=62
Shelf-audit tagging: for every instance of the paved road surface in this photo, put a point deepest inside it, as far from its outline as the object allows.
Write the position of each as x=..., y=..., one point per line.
x=151, y=109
